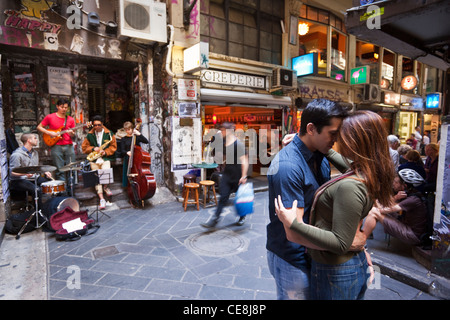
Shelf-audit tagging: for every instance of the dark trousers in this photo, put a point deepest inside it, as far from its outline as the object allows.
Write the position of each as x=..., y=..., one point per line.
x=27, y=185
x=226, y=188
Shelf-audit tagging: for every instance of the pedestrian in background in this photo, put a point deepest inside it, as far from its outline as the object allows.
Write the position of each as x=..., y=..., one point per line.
x=340, y=206
x=394, y=143
x=402, y=150
x=431, y=165
x=235, y=172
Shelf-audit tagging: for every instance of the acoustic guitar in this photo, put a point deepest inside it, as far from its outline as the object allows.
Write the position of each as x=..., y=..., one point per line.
x=51, y=141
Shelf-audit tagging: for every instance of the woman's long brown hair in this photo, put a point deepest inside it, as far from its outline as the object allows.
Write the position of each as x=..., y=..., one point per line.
x=363, y=139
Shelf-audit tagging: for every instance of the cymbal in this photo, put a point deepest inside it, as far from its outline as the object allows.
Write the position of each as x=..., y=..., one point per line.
x=33, y=169
x=67, y=168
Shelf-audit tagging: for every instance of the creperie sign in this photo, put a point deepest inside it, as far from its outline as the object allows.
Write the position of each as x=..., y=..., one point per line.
x=233, y=79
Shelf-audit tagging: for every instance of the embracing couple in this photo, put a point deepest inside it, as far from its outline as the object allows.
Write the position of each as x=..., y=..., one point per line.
x=314, y=239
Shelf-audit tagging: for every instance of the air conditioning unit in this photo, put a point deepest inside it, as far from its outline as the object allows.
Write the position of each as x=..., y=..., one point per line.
x=372, y=93
x=143, y=20
x=285, y=78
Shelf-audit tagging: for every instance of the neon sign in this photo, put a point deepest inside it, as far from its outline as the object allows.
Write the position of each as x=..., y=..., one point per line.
x=359, y=75
x=305, y=64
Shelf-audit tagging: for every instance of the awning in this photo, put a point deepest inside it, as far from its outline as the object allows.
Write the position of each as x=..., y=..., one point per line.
x=417, y=29
x=239, y=97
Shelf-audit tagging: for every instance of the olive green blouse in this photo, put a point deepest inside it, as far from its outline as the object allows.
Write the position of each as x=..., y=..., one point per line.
x=338, y=211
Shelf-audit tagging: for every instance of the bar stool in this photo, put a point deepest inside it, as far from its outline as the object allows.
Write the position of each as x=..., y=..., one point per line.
x=208, y=185
x=194, y=187
x=188, y=178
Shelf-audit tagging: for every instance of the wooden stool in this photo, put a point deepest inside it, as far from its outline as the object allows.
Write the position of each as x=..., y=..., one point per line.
x=194, y=187
x=188, y=178
x=208, y=185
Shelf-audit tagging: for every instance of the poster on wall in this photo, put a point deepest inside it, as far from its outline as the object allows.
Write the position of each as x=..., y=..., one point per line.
x=24, y=113
x=59, y=81
x=186, y=141
x=441, y=232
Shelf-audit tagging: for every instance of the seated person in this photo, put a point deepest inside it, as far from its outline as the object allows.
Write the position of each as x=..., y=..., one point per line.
x=414, y=162
x=26, y=156
x=407, y=219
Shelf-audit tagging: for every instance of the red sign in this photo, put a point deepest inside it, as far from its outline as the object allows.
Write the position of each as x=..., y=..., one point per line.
x=409, y=83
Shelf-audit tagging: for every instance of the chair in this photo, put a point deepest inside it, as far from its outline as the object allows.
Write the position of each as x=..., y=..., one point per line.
x=208, y=185
x=188, y=187
x=188, y=178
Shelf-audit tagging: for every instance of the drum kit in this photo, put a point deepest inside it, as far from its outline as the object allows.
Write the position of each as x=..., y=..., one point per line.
x=55, y=189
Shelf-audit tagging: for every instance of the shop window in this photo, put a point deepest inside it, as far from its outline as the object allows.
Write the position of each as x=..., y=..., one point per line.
x=431, y=79
x=368, y=54
x=408, y=85
x=315, y=40
x=387, y=70
x=338, y=55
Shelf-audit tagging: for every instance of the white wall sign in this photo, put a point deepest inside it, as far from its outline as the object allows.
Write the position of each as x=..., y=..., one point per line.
x=234, y=79
x=59, y=81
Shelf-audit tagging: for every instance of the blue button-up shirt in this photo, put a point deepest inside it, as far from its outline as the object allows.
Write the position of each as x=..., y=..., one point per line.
x=291, y=175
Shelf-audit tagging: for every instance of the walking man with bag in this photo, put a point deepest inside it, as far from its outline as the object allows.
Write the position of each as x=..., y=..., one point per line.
x=235, y=172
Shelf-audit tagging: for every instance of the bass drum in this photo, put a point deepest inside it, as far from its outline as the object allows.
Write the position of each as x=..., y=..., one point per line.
x=56, y=204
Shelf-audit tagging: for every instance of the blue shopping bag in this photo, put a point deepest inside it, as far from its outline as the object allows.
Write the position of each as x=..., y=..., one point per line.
x=244, y=199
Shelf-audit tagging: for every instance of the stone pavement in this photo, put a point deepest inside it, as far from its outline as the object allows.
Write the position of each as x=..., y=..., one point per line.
x=162, y=253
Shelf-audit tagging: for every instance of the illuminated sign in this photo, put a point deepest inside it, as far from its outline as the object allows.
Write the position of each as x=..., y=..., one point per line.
x=433, y=101
x=305, y=65
x=359, y=75
x=391, y=98
x=409, y=83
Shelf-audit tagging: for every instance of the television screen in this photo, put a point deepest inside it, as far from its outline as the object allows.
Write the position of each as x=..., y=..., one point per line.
x=305, y=65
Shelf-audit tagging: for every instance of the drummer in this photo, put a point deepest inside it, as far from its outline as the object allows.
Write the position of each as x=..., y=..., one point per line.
x=26, y=156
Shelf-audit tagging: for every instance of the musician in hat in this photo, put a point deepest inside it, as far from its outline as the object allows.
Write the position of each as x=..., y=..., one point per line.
x=100, y=145
x=22, y=157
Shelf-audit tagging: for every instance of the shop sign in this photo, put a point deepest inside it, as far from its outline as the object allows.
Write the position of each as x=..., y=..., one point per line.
x=196, y=57
x=314, y=91
x=391, y=98
x=233, y=79
x=305, y=64
x=59, y=81
x=411, y=103
x=360, y=75
x=433, y=100
x=408, y=83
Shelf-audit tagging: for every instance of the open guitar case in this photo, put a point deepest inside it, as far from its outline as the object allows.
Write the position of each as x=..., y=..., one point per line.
x=67, y=215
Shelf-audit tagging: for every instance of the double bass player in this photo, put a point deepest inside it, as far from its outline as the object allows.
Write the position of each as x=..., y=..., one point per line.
x=137, y=177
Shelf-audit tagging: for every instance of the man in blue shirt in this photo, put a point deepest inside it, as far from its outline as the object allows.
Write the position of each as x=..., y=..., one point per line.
x=296, y=173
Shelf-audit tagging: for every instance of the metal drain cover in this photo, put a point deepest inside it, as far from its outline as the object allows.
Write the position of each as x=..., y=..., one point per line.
x=217, y=244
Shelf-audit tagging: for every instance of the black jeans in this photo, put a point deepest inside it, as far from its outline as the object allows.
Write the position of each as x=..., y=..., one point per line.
x=226, y=187
x=27, y=185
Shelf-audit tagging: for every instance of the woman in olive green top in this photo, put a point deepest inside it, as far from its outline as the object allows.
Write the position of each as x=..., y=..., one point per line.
x=341, y=205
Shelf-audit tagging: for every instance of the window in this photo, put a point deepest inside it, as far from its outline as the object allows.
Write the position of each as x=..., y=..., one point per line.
x=338, y=55
x=408, y=70
x=314, y=28
x=431, y=79
x=387, y=70
x=315, y=40
x=245, y=29
x=368, y=54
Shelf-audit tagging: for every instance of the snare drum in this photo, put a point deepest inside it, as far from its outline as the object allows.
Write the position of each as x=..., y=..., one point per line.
x=54, y=187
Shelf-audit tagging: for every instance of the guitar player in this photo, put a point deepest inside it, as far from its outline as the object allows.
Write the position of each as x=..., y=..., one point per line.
x=63, y=151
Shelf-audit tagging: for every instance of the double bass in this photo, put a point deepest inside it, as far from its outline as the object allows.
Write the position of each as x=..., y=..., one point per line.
x=141, y=182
